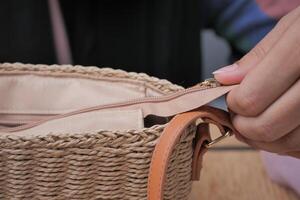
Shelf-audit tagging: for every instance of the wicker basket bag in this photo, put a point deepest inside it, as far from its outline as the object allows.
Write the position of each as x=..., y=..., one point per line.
x=72, y=132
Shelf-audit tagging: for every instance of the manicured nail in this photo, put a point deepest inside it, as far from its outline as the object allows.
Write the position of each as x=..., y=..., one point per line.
x=226, y=69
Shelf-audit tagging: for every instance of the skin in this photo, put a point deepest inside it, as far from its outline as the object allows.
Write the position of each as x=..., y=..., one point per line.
x=266, y=104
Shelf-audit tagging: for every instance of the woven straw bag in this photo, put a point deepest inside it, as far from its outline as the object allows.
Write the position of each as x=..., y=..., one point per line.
x=72, y=132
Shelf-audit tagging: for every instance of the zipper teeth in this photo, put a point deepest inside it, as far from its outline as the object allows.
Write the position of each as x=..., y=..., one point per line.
x=20, y=122
x=161, y=98
x=207, y=84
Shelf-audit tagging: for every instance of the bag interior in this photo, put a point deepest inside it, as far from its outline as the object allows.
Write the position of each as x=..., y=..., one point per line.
x=28, y=98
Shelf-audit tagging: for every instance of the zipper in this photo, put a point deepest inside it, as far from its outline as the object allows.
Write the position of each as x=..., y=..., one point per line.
x=13, y=120
x=210, y=82
x=205, y=85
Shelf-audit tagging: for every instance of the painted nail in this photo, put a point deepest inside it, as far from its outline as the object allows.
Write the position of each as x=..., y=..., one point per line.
x=226, y=69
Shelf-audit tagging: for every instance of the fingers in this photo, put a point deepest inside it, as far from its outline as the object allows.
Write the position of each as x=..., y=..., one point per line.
x=287, y=144
x=267, y=102
x=279, y=119
x=279, y=69
x=295, y=154
x=234, y=74
x=262, y=48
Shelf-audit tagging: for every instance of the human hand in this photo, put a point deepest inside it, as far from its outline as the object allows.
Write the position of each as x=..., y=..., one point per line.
x=267, y=101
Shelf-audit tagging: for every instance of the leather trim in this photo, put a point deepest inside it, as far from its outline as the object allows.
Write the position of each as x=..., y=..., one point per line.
x=170, y=137
x=202, y=135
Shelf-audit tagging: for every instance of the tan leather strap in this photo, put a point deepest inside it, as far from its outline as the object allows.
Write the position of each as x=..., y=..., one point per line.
x=170, y=137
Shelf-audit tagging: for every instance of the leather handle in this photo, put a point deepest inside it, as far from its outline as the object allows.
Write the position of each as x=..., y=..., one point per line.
x=170, y=137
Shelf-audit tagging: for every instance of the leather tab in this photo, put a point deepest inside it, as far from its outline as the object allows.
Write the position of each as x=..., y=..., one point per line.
x=170, y=137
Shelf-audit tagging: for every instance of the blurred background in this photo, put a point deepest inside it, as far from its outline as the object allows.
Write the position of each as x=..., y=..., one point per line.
x=215, y=53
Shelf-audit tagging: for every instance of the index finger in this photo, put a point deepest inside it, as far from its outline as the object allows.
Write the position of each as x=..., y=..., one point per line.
x=251, y=59
x=272, y=76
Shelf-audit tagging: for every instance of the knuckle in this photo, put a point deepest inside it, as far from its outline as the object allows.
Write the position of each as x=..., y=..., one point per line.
x=297, y=44
x=243, y=128
x=247, y=104
x=284, y=20
x=259, y=52
x=264, y=132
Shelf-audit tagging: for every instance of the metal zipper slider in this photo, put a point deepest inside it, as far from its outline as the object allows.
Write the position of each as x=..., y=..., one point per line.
x=210, y=82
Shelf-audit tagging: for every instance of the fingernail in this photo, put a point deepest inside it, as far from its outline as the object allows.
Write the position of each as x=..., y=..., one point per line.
x=226, y=69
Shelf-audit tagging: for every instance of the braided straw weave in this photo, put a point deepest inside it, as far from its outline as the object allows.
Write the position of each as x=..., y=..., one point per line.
x=95, y=165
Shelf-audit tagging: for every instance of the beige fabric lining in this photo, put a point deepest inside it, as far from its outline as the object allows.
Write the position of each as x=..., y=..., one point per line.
x=30, y=94
x=29, y=98
x=11, y=119
x=88, y=122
